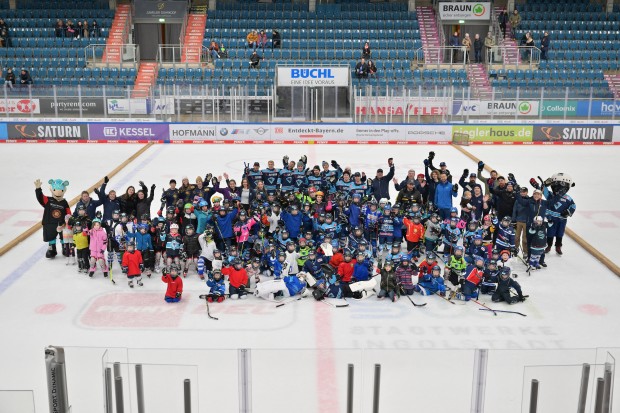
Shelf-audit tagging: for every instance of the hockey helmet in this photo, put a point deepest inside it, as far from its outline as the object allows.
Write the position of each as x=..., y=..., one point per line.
x=174, y=226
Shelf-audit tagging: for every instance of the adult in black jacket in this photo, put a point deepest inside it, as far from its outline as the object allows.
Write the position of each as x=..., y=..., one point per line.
x=128, y=202
x=505, y=201
x=89, y=204
x=442, y=165
x=432, y=180
x=471, y=184
x=409, y=196
x=403, y=184
x=380, y=186
x=110, y=201
x=144, y=200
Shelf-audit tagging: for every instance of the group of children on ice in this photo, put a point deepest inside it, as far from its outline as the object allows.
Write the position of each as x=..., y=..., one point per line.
x=321, y=231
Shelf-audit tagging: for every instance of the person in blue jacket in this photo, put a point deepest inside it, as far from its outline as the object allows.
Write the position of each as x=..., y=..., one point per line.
x=362, y=269
x=292, y=221
x=223, y=227
x=444, y=192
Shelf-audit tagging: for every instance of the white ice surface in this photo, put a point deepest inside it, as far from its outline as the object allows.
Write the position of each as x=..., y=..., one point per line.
x=425, y=352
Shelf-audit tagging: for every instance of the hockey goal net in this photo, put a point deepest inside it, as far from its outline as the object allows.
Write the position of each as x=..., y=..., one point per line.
x=460, y=138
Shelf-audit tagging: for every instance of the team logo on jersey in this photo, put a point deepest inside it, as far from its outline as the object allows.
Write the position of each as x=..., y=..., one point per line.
x=56, y=214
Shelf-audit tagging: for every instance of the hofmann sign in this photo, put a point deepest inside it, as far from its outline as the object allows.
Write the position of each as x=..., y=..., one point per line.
x=465, y=11
x=313, y=76
x=151, y=11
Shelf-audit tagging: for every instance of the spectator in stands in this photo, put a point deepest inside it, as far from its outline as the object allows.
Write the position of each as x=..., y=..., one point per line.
x=361, y=69
x=214, y=50
x=223, y=51
x=529, y=46
x=9, y=79
x=59, y=28
x=372, y=69
x=70, y=29
x=366, y=52
x=503, y=22
x=255, y=59
x=94, y=29
x=544, y=46
x=85, y=31
x=24, y=78
x=466, y=48
x=79, y=29
x=276, y=40
x=3, y=25
x=262, y=39
x=515, y=21
x=489, y=44
x=477, y=48
x=4, y=38
x=252, y=39
x=455, y=43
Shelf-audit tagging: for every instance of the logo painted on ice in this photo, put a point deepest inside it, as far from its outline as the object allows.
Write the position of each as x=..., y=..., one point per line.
x=479, y=9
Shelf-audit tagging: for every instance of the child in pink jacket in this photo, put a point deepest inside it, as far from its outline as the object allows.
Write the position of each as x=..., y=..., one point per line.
x=98, y=243
x=242, y=230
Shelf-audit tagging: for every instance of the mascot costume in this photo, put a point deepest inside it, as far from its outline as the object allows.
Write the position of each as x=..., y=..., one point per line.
x=55, y=209
x=560, y=206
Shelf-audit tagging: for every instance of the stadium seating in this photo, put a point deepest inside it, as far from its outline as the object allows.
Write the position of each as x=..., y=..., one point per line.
x=333, y=35
x=584, y=42
x=54, y=60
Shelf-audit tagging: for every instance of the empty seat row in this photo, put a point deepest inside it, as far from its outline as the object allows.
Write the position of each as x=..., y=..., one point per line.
x=548, y=23
x=560, y=7
x=51, y=22
x=36, y=53
x=30, y=42
x=313, y=24
x=271, y=15
x=42, y=32
x=582, y=35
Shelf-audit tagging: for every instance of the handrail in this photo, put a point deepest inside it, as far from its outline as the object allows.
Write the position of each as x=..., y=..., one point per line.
x=91, y=55
x=439, y=56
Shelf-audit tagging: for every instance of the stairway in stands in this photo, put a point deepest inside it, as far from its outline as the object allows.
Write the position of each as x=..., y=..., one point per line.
x=614, y=84
x=119, y=34
x=479, y=81
x=145, y=79
x=429, y=33
x=511, y=51
x=194, y=34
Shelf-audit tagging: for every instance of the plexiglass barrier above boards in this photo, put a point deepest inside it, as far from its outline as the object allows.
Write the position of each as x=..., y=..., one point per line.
x=335, y=380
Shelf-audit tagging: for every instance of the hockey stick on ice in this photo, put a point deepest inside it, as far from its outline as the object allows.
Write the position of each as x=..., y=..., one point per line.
x=503, y=311
x=444, y=298
x=288, y=301
x=410, y=300
x=334, y=305
x=485, y=307
x=204, y=296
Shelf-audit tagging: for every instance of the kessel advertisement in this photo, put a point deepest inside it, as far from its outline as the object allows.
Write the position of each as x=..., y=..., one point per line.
x=71, y=106
x=47, y=131
x=573, y=133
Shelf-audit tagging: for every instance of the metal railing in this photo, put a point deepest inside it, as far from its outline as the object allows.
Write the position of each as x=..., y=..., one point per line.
x=520, y=57
x=122, y=55
x=172, y=55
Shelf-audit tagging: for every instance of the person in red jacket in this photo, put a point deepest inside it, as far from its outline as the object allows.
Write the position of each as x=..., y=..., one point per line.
x=237, y=280
x=132, y=264
x=345, y=269
x=415, y=234
x=175, y=284
x=426, y=266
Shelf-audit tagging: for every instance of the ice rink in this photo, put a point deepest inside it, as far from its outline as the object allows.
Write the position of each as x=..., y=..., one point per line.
x=302, y=349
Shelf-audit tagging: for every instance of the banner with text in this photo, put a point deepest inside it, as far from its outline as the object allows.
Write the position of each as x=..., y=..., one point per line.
x=20, y=106
x=495, y=108
x=400, y=106
x=573, y=133
x=71, y=106
x=495, y=133
x=45, y=131
x=465, y=11
x=313, y=76
x=127, y=106
x=128, y=131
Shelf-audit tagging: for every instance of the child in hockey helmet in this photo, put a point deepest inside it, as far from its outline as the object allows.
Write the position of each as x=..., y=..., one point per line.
x=175, y=284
